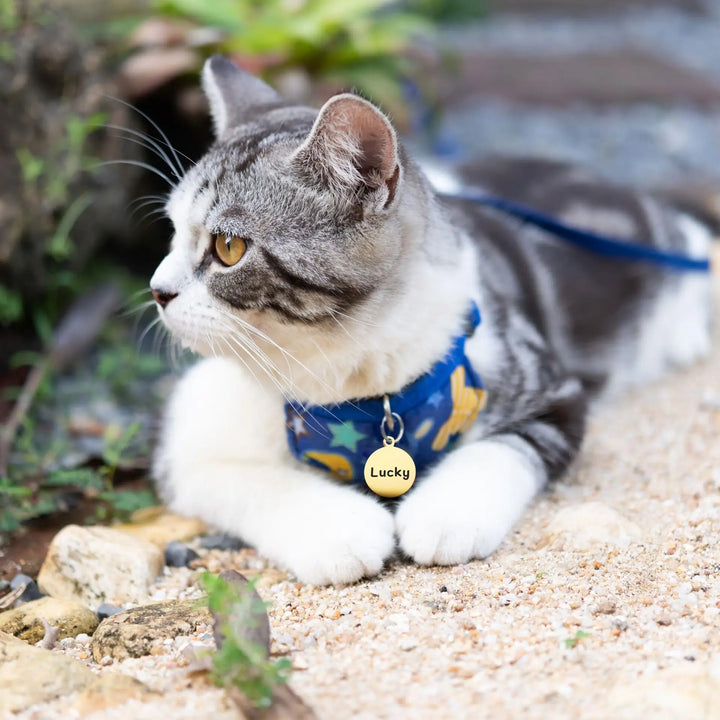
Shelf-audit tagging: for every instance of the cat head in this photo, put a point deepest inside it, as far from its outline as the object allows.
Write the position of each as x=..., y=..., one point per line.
x=294, y=221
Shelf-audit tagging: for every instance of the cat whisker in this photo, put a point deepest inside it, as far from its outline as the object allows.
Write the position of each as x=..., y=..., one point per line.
x=140, y=164
x=290, y=384
x=149, y=143
x=360, y=321
x=137, y=309
x=345, y=330
x=244, y=362
x=165, y=139
x=247, y=345
x=143, y=335
x=148, y=201
x=156, y=215
x=138, y=313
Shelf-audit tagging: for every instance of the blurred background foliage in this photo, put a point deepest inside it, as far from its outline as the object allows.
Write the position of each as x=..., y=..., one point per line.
x=89, y=90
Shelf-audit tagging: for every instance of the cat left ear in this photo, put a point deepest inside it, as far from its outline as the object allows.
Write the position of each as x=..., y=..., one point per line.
x=231, y=92
x=352, y=146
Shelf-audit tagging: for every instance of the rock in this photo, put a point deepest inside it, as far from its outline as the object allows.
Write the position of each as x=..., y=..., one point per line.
x=106, y=610
x=71, y=619
x=97, y=565
x=179, y=555
x=31, y=591
x=134, y=633
x=221, y=542
x=605, y=607
x=30, y=675
x=586, y=525
x=110, y=690
x=689, y=693
x=160, y=527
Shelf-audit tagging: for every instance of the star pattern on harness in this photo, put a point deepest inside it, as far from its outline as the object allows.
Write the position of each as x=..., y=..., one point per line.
x=435, y=399
x=345, y=435
x=296, y=423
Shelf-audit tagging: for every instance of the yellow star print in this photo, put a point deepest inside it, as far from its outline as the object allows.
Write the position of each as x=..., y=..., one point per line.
x=467, y=403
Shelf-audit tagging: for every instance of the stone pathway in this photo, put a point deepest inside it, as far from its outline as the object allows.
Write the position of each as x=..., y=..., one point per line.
x=633, y=95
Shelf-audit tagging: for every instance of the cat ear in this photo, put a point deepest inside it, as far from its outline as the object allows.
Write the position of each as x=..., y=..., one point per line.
x=352, y=146
x=231, y=92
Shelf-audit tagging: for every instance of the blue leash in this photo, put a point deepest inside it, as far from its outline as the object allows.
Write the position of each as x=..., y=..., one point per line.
x=599, y=244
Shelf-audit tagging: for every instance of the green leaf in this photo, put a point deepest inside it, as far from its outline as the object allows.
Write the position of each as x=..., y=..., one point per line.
x=60, y=246
x=11, y=305
x=128, y=501
x=32, y=167
x=570, y=643
x=80, y=477
x=239, y=661
x=117, y=441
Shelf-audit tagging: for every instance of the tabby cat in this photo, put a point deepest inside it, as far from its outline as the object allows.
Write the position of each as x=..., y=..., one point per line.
x=320, y=272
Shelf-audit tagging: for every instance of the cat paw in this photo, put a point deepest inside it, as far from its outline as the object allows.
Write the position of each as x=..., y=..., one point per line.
x=349, y=542
x=465, y=508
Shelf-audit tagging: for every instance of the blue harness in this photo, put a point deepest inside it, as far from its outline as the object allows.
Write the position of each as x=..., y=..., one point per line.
x=443, y=403
x=434, y=411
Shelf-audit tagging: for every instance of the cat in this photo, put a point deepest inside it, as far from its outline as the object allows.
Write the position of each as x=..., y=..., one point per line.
x=314, y=264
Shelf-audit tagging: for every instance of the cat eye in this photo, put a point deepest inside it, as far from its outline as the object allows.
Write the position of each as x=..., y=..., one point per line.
x=229, y=248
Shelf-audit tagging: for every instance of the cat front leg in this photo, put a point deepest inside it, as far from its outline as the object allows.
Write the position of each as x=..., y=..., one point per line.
x=321, y=532
x=471, y=500
x=223, y=458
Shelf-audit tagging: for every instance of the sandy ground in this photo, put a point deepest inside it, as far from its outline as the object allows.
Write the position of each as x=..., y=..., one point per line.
x=490, y=639
x=617, y=618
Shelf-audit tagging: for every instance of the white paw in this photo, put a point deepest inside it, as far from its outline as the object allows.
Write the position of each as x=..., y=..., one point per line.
x=467, y=505
x=337, y=542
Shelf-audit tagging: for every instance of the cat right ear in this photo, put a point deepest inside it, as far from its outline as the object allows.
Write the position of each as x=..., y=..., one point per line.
x=353, y=150
x=231, y=92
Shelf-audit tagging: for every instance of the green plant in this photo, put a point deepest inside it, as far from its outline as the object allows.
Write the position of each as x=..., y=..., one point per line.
x=50, y=181
x=35, y=486
x=11, y=306
x=354, y=42
x=572, y=642
x=449, y=11
x=241, y=662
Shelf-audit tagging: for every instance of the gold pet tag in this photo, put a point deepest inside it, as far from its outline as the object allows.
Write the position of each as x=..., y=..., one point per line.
x=389, y=471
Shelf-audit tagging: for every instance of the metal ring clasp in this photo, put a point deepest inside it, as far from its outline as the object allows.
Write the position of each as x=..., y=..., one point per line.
x=395, y=418
x=388, y=413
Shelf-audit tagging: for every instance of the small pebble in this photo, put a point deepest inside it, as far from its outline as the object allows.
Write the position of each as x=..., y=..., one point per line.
x=221, y=542
x=31, y=592
x=179, y=555
x=106, y=610
x=606, y=607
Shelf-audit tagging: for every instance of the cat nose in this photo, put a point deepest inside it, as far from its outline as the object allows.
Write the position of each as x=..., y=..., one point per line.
x=161, y=297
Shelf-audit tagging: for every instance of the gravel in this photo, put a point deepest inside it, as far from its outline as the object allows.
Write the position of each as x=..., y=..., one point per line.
x=221, y=542
x=105, y=610
x=179, y=555
x=31, y=591
x=621, y=626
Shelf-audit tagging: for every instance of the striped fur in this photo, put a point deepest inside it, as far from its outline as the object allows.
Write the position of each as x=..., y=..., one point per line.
x=356, y=276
